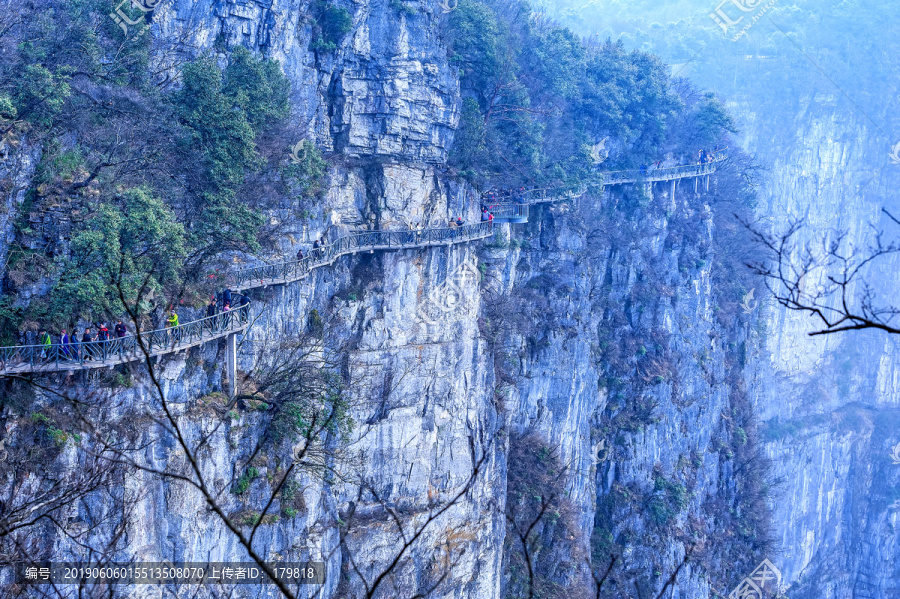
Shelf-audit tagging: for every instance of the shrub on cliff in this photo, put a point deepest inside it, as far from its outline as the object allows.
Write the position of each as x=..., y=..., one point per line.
x=544, y=97
x=132, y=243
x=331, y=24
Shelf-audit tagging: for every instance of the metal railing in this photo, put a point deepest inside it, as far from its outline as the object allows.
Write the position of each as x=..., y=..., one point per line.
x=97, y=354
x=664, y=174
x=538, y=195
x=293, y=270
x=505, y=212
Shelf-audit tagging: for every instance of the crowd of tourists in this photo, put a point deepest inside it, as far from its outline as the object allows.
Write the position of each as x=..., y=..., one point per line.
x=68, y=346
x=316, y=252
x=94, y=343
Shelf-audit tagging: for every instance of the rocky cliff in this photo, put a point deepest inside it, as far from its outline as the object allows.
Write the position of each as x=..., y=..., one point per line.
x=830, y=404
x=604, y=332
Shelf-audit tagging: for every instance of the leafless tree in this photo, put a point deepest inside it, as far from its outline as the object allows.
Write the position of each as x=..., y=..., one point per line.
x=828, y=279
x=56, y=485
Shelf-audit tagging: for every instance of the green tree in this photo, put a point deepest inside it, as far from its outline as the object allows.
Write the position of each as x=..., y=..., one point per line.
x=626, y=95
x=477, y=44
x=41, y=94
x=332, y=24
x=469, y=145
x=545, y=97
x=222, y=114
x=258, y=87
x=133, y=243
x=712, y=121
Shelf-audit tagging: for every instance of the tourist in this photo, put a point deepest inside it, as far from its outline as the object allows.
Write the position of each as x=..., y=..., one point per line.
x=85, y=340
x=64, y=343
x=172, y=321
x=121, y=330
x=46, y=344
x=103, y=338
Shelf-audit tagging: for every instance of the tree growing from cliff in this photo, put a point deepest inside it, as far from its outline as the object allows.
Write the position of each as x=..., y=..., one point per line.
x=544, y=97
x=540, y=522
x=829, y=278
x=134, y=234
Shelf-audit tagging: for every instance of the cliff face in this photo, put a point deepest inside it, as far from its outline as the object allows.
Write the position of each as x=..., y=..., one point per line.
x=386, y=91
x=598, y=328
x=815, y=105
x=830, y=403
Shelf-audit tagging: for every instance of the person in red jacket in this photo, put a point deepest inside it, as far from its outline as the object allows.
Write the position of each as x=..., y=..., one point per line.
x=103, y=337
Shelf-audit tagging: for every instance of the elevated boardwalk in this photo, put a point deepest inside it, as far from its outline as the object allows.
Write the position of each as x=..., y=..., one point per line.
x=671, y=173
x=517, y=212
x=280, y=273
x=23, y=359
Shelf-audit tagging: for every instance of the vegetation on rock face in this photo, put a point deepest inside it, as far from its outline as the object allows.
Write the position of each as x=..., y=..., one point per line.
x=157, y=167
x=218, y=114
x=537, y=99
x=307, y=172
x=539, y=558
x=331, y=25
x=132, y=241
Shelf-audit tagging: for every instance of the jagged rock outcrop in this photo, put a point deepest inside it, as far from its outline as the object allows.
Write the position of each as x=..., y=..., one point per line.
x=386, y=92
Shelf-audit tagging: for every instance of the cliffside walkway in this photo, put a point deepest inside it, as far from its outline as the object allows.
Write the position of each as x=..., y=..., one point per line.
x=22, y=359
x=669, y=173
x=517, y=212
x=280, y=273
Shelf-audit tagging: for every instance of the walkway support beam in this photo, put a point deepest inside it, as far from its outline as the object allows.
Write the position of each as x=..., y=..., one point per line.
x=231, y=364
